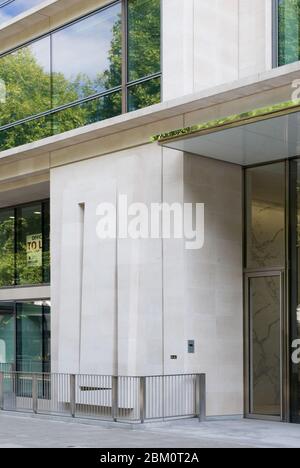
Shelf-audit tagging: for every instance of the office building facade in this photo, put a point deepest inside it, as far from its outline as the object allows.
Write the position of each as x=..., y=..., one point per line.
x=164, y=102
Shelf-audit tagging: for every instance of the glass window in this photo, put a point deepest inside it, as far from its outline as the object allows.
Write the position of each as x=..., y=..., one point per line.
x=11, y=8
x=7, y=247
x=57, y=75
x=265, y=195
x=26, y=132
x=29, y=263
x=46, y=241
x=288, y=31
x=25, y=336
x=87, y=57
x=144, y=94
x=143, y=38
x=29, y=94
x=87, y=113
x=33, y=336
x=25, y=245
x=26, y=74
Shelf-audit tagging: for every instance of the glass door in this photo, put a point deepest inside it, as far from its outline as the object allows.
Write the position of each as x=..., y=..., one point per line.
x=266, y=276
x=264, y=330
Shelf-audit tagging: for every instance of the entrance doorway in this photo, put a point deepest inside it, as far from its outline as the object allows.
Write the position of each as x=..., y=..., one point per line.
x=266, y=325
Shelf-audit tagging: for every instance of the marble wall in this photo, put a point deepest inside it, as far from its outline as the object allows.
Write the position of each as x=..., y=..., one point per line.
x=210, y=42
x=129, y=306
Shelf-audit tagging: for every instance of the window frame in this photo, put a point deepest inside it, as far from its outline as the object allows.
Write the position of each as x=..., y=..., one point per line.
x=125, y=84
x=15, y=209
x=6, y=2
x=275, y=32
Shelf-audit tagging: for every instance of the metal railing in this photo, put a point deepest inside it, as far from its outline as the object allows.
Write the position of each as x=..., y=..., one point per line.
x=105, y=397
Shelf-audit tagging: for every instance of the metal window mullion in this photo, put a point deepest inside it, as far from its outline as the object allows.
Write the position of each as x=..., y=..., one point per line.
x=18, y=335
x=15, y=244
x=60, y=28
x=7, y=2
x=43, y=241
x=50, y=112
x=275, y=32
x=51, y=84
x=144, y=79
x=124, y=56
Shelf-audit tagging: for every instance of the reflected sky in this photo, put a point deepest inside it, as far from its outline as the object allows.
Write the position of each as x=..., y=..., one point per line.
x=83, y=50
x=79, y=60
x=10, y=9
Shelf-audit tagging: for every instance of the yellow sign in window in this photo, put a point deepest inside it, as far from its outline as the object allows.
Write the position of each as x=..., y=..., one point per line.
x=34, y=245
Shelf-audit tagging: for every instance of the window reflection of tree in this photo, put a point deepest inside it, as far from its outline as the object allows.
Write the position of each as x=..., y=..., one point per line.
x=28, y=81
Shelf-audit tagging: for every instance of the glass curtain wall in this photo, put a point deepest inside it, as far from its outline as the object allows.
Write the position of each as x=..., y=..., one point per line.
x=25, y=245
x=82, y=73
x=11, y=8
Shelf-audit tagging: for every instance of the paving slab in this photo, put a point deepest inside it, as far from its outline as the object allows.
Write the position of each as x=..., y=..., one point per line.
x=22, y=431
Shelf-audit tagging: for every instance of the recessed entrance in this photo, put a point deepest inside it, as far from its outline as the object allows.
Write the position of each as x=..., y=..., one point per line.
x=265, y=272
x=265, y=142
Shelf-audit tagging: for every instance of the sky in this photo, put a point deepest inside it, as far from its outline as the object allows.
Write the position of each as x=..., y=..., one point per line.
x=15, y=8
x=80, y=48
x=84, y=47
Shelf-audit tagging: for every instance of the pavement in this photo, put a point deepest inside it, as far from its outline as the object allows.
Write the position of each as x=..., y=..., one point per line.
x=22, y=431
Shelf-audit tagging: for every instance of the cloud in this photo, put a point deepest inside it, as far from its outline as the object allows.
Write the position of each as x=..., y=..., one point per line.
x=16, y=8
x=84, y=47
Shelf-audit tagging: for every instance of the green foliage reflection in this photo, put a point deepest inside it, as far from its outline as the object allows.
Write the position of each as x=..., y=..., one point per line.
x=289, y=32
x=28, y=79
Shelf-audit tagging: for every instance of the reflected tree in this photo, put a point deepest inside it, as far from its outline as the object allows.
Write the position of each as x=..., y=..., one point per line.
x=288, y=31
x=7, y=259
x=29, y=84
